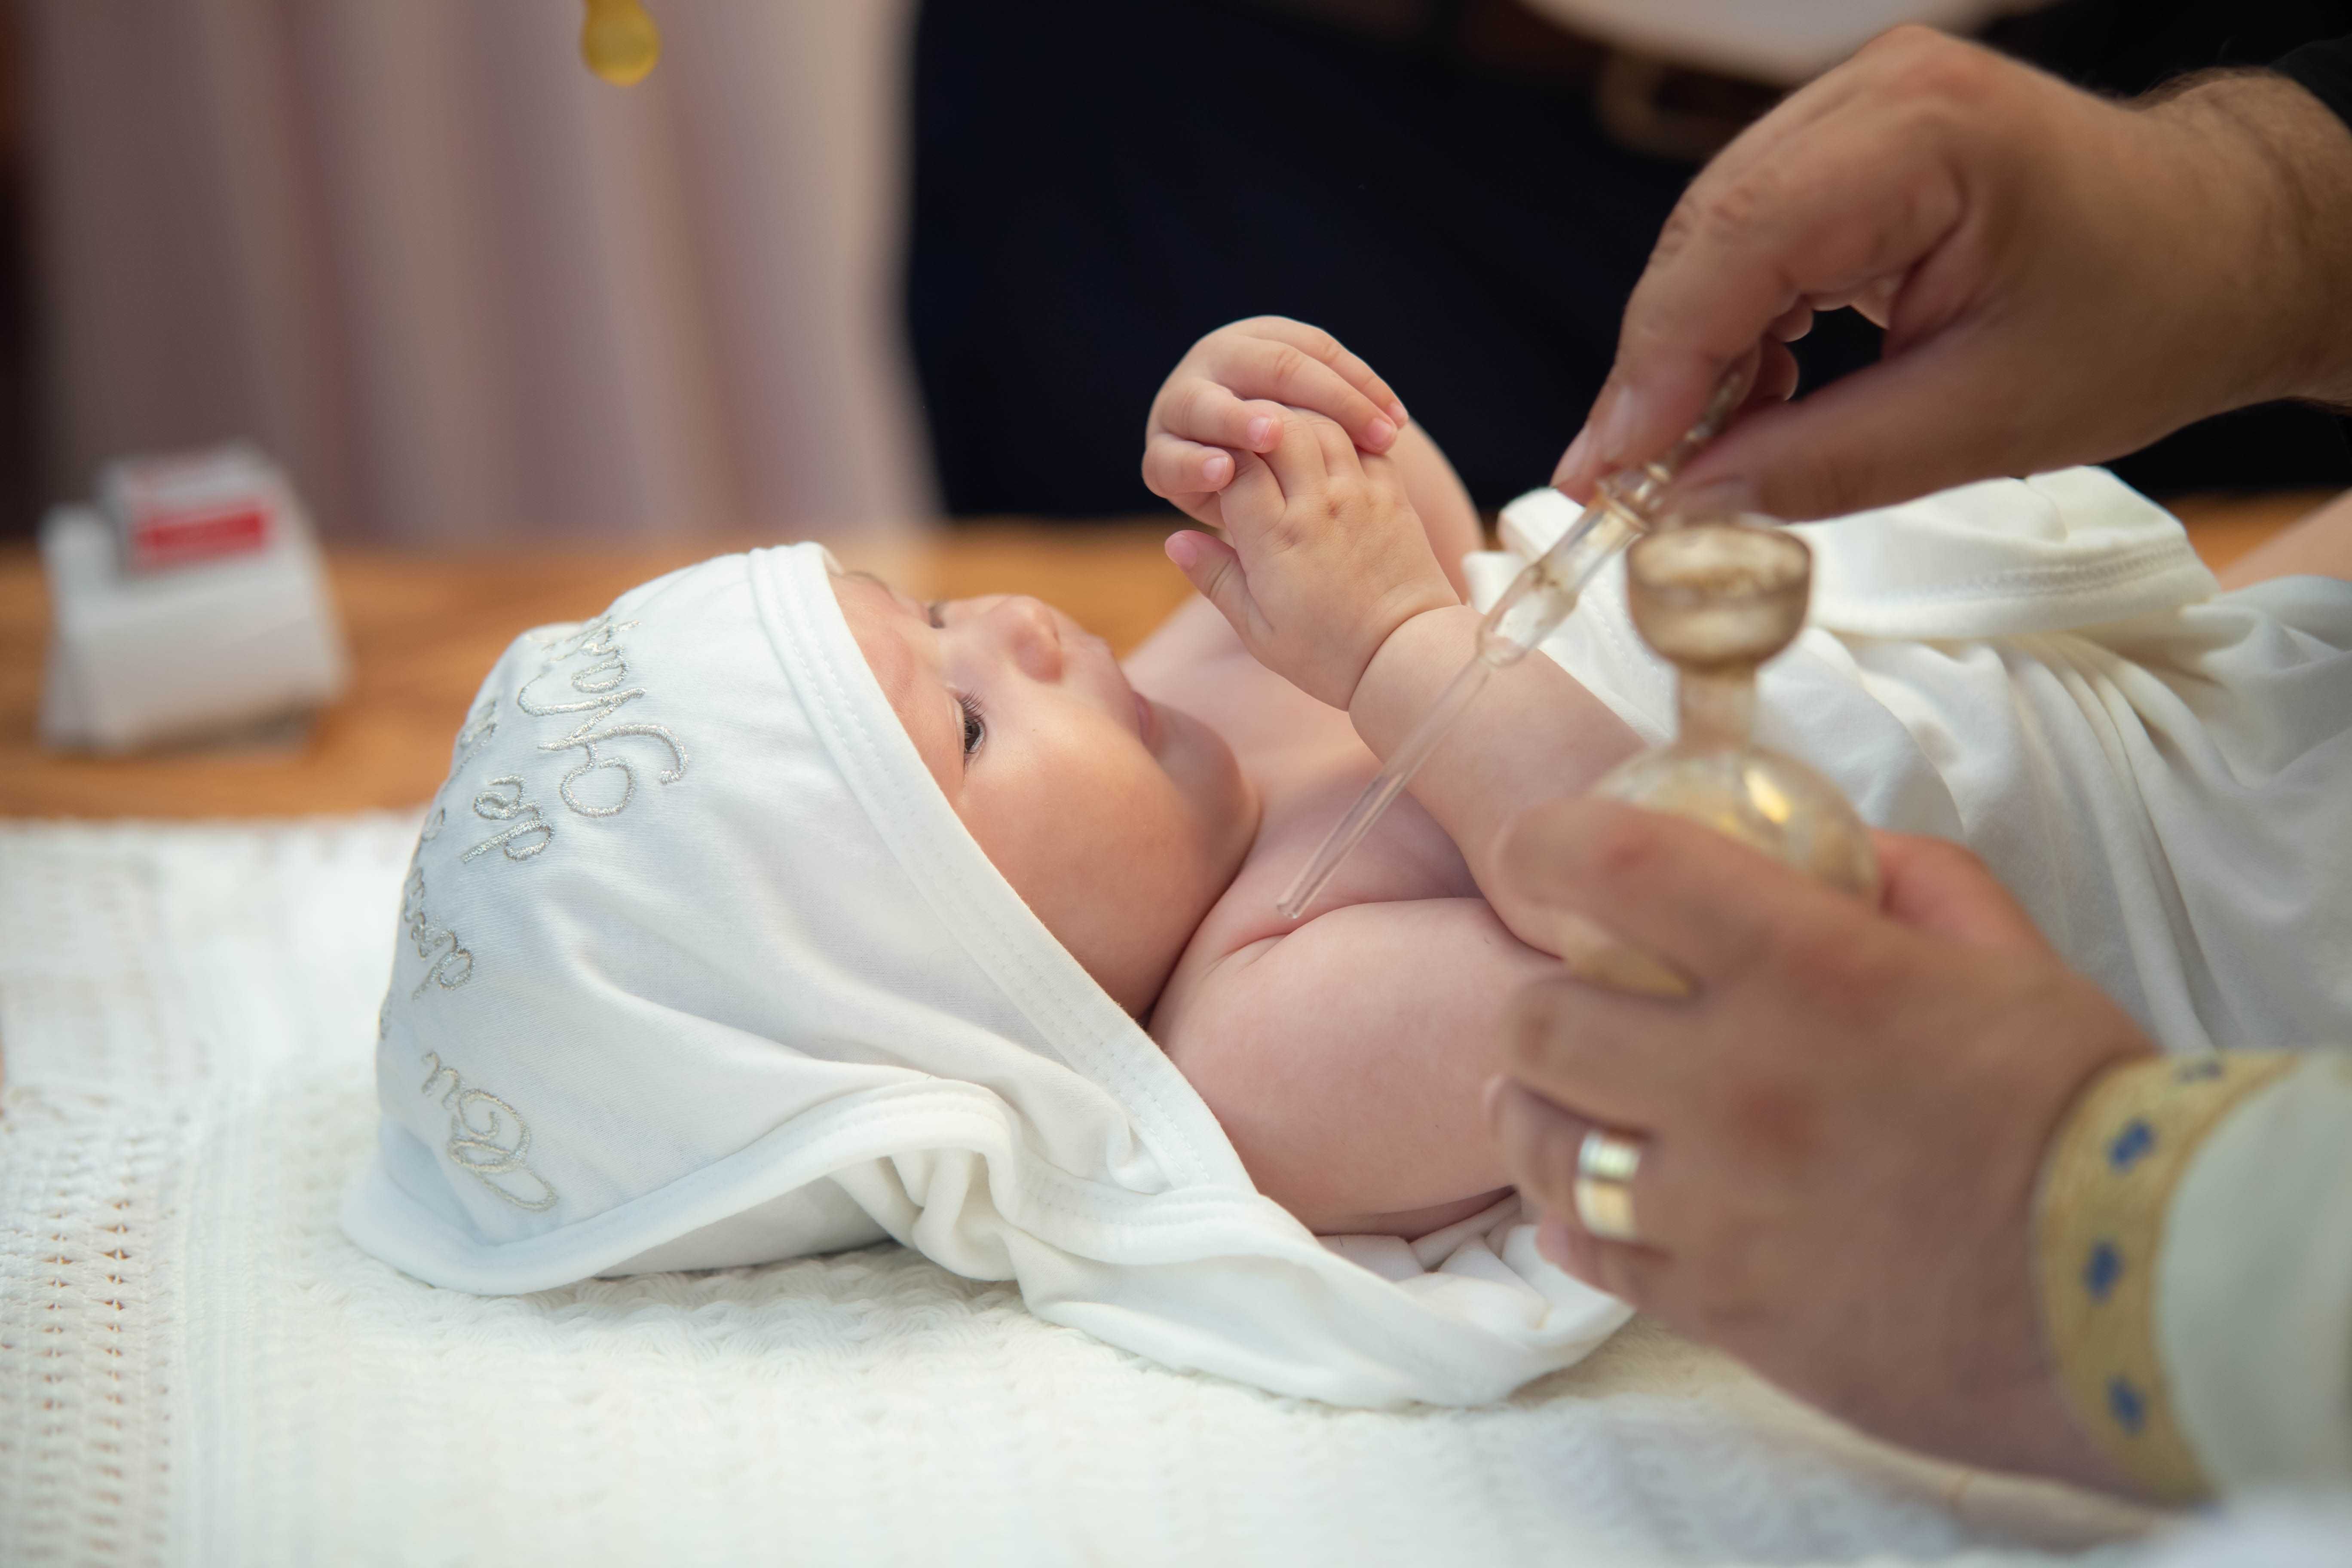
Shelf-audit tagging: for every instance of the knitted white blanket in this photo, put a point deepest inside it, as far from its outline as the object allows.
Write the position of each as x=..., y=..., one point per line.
x=196, y=1366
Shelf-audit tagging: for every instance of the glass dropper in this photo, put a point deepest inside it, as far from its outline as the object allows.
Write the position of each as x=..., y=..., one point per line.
x=1625, y=505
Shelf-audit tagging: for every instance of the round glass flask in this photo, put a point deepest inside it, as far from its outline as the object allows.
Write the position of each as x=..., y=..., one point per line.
x=1718, y=600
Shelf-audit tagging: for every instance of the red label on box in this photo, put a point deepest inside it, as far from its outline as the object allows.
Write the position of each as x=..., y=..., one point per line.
x=177, y=538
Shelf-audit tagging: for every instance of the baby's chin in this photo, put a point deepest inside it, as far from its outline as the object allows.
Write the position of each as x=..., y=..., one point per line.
x=1209, y=776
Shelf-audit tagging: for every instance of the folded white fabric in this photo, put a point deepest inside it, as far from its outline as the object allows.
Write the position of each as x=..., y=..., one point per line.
x=2042, y=669
x=698, y=967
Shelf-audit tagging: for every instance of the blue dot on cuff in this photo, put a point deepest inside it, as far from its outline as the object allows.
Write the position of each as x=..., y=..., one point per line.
x=2190, y=1072
x=2135, y=1140
x=2127, y=1405
x=2102, y=1269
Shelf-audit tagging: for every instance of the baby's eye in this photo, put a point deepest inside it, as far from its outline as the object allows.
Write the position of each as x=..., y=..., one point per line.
x=975, y=730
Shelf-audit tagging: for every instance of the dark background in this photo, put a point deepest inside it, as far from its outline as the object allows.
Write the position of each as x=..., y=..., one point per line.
x=1097, y=186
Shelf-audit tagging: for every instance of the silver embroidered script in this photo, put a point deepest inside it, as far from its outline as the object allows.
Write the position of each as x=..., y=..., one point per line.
x=450, y=962
x=489, y=1140
x=503, y=801
x=480, y=725
x=601, y=687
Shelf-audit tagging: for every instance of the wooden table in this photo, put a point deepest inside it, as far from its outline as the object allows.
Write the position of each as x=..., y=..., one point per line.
x=424, y=630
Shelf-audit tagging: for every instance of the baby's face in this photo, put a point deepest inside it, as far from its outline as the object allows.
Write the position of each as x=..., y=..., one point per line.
x=1118, y=821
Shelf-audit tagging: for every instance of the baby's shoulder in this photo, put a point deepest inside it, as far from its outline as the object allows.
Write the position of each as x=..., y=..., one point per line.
x=1360, y=969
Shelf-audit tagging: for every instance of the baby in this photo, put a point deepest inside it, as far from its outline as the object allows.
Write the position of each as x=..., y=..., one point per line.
x=775, y=912
x=1151, y=814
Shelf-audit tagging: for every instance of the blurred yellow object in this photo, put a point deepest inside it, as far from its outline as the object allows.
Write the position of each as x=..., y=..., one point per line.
x=619, y=41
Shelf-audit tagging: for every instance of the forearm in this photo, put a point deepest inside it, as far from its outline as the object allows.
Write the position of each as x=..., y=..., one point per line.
x=2194, y=1238
x=1446, y=511
x=1534, y=734
x=2277, y=178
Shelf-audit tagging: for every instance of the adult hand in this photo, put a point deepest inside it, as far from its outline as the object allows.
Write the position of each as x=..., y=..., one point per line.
x=2062, y=279
x=1842, y=1129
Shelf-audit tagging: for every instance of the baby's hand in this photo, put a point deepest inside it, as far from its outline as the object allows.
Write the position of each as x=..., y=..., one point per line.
x=1226, y=399
x=1327, y=558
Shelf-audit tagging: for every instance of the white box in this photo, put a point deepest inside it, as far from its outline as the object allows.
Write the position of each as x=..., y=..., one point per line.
x=229, y=623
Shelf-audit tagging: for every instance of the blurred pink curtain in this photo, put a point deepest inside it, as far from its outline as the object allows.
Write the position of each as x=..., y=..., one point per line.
x=465, y=290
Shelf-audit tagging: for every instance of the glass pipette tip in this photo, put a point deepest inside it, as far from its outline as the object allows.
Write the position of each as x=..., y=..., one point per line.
x=1538, y=600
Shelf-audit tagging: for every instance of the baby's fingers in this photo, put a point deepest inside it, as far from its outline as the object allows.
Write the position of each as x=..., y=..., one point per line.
x=1281, y=372
x=1203, y=411
x=1331, y=352
x=1214, y=570
x=1179, y=470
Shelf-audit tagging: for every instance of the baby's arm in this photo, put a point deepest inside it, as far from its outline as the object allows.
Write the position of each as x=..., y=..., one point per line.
x=1331, y=583
x=1346, y=1060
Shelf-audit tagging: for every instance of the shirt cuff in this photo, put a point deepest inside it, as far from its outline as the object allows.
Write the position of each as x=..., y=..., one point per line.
x=2100, y=1217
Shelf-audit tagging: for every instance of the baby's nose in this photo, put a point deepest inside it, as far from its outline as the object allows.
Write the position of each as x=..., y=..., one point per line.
x=1034, y=632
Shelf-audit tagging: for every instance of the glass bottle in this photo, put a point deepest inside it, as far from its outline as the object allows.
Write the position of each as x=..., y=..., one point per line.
x=1718, y=600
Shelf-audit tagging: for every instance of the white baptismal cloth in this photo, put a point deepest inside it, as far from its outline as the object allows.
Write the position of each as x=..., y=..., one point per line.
x=698, y=967
x=2044, y=670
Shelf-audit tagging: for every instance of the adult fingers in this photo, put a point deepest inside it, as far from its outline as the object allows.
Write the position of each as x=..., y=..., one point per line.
x=1284, y=372
x=1204, y=410
x=1775, y=381
x=1855, y=195
x=1945, y=414
x=1541, y=1145
x=1175, y=469
x=1939, y=888
x=1792, y=323
x=1705, y=903
x=1590, y=1048
x=1776, y=376
x=1641, y=1276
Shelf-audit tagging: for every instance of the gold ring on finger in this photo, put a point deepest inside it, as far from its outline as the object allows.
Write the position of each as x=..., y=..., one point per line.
x=1605, y=1166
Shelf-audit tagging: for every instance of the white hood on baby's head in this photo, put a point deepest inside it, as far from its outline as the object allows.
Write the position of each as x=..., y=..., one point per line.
x=697, y=967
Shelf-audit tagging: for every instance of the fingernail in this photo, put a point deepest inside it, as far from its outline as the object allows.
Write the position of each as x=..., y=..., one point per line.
x=1378, y=434
x=1613, y=439
x=1183, y=550
x=1261, y=432
x=1574, y=456
x=1397, y=412
x=1216, y=469
x=1491, y=1098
